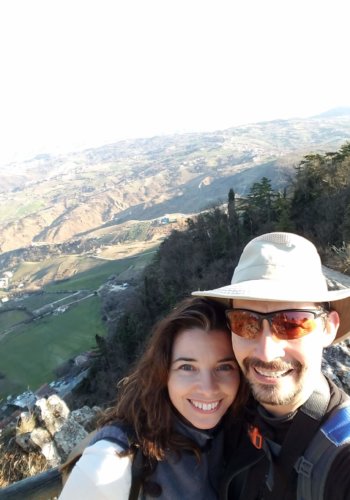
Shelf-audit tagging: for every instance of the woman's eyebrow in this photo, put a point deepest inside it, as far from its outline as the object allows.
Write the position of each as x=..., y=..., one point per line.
x=228, y=358
x=183, y=359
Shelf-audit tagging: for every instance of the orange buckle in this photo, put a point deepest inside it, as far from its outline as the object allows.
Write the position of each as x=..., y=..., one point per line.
x=255, y=437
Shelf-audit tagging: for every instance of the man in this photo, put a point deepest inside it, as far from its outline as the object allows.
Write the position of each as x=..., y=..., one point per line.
x=282, y=316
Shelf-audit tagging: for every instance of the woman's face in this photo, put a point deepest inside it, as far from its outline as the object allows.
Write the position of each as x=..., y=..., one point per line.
x=203, y=376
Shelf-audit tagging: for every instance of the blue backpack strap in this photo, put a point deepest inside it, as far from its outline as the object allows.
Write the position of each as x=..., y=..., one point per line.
x=313, y=467
x=337, y=427
x=120, y=434
x=116, y=433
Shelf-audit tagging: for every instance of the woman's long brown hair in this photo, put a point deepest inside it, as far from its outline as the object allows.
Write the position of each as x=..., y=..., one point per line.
x=143, y=402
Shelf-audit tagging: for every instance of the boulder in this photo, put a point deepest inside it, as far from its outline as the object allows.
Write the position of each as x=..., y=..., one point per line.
x=43, y=439
x=53, y=429
x=52, y=412
x=24, y=441
x=69, y=435
x=86, y=417
x=336, y=364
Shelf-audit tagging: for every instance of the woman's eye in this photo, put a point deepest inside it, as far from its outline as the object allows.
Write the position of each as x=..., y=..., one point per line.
x=186, y=368
x=226, y=367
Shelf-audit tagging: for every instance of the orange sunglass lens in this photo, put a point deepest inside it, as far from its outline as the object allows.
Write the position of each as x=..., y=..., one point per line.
x=293, y=325
x=287, y=325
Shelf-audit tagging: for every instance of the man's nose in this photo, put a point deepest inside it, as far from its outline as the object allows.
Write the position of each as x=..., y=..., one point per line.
x=269, y=347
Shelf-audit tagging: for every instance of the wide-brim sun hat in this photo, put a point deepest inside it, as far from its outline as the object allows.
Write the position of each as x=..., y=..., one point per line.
x=283, y=267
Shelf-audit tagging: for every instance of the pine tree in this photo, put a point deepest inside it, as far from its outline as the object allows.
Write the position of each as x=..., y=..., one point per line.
x=233, y=220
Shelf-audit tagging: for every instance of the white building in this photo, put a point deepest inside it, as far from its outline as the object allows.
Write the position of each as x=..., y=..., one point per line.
x=4, y=282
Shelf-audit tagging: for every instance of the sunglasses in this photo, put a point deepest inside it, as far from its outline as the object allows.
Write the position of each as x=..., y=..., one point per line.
x=289, y=324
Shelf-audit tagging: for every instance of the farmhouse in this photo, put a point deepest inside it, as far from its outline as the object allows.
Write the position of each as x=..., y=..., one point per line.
x=4, y=282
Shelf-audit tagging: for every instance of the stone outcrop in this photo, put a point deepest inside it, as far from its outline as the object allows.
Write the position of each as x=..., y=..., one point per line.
x=52, y=412
x=336, y=364
x=336, y=359
x=54, y=429
x=70, y=435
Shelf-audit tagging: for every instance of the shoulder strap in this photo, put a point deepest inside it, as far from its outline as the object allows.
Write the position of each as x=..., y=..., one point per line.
x=304, y=426
x=319, y=456
x=138, y=473
x=118, y=434
x=115, y=433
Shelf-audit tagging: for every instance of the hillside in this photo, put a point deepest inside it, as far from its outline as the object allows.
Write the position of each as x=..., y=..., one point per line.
x=87, y=328
x=53, y=200
x=68, y=222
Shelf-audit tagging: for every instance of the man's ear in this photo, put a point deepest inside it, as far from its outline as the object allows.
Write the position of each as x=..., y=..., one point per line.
x=332, y=325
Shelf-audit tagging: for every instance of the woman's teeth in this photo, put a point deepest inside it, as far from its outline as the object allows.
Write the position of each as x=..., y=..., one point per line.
x=205, y=406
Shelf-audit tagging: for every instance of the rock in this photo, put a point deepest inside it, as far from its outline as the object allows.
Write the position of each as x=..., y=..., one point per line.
x=70, y=434
x=336, y=364
x=24, y=441
x=43, y=439
x=346, y=382
x=53, y=412
x=336, y=359
x=86, y=417
x=53, y=429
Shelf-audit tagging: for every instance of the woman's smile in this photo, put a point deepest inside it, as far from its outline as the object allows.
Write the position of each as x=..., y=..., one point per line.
x=204, y=377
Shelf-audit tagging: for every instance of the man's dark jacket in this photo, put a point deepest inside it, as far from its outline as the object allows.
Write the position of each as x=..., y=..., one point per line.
x=256, y=474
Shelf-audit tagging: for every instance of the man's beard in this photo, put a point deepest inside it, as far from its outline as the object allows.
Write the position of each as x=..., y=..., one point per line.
x=282, y=393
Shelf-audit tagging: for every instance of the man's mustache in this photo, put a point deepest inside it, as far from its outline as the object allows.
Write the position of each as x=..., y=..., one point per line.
x=275, y=365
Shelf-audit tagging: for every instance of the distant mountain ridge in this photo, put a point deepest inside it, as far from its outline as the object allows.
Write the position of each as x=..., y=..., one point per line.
x=56, y=199
x=340, y=111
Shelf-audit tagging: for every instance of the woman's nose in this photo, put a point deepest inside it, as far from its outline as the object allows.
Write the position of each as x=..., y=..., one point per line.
x=208, y=382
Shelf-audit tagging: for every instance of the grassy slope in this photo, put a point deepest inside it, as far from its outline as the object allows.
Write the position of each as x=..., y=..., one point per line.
x=10, y=318
x=96, y=274
x=35, y=301
x=29, y=354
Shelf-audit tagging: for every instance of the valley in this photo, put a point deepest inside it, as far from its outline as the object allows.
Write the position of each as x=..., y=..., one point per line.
x=39, y=331
x=51, y=200
x=77, y=226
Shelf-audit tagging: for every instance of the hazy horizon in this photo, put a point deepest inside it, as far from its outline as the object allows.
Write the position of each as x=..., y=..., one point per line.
x=86, y=73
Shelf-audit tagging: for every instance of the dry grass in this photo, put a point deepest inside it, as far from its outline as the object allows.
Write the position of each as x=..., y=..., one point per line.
x=15, y=463
x=338, y=258
x=26, y=424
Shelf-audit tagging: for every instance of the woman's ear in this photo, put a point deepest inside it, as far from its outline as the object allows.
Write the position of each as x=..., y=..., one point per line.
x=332, y=325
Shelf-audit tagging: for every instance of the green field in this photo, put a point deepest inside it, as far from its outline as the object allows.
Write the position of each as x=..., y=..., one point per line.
x=98, y=272
x=37, y=300
x=10, y=318
x=90, y=279
x=20, y=206
x=29, y=354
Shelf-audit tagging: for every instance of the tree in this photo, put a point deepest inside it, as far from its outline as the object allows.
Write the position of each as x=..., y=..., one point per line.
x=259, y=209
x=282, y=210
x=233, y=220
x=320, y=196
x=346, y=226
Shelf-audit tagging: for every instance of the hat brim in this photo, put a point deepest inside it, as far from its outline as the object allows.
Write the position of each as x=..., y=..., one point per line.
x=343, y=309
x=270, y=291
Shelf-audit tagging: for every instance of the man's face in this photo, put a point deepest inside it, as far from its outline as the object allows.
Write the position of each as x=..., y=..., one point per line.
x=282, y=373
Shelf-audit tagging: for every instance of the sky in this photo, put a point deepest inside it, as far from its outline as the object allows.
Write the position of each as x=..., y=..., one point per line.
x=82, y=73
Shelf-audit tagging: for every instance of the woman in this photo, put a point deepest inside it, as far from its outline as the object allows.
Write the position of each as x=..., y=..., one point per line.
x=171, y=411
